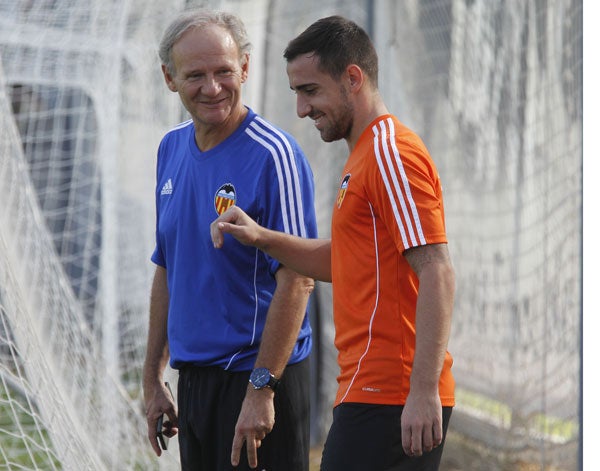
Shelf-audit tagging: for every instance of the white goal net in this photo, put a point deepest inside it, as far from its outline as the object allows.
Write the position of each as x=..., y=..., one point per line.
x=493, y=87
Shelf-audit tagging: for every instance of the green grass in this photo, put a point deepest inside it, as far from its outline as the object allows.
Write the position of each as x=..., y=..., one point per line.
x=538, y=425
x=22, y=443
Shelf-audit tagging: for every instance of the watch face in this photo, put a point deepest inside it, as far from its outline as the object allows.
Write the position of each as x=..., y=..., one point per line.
x=260, y=377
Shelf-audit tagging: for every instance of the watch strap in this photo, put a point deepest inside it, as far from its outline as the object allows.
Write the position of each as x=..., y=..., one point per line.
x=273, y=383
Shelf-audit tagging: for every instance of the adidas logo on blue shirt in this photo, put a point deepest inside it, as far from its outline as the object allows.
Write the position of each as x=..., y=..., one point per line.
x=167, y=189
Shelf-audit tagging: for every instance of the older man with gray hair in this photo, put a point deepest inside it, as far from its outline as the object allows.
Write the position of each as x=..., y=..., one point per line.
x=233, y=322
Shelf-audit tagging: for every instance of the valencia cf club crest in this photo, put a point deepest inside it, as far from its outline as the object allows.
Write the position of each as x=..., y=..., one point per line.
x=224, y=198
x=342, y=190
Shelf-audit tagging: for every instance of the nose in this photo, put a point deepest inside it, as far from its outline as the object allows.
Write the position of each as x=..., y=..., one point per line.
x=303, y=108
x=211, y=86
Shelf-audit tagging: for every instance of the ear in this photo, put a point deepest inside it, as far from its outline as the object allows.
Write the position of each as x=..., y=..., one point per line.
x=169, y=79
x=355, y=76
x=245, y=66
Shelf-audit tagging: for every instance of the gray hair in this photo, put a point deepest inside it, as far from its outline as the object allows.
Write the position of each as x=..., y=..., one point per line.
x=201, y=18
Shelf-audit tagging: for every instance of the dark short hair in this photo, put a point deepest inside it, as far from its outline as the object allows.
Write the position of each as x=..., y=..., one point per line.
x=337, y=42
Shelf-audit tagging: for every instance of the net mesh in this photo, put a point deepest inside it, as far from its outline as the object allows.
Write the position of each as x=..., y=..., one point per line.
x=495, y=90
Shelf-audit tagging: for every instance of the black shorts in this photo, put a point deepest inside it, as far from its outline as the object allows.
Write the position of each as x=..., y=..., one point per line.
x=209, y=402
x=368, y=437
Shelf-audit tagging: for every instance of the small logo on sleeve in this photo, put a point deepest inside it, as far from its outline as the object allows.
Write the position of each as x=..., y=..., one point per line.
x=342, y=190
x=167, y=188
x=224, y=198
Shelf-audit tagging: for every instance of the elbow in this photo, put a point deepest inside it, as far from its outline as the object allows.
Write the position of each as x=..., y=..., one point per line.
x=294, y=281
x=307, y=285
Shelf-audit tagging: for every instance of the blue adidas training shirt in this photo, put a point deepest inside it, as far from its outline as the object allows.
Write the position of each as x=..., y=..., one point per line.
x=218, y=299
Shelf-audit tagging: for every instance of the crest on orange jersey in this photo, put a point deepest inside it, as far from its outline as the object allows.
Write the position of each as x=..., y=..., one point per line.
x=342, y=190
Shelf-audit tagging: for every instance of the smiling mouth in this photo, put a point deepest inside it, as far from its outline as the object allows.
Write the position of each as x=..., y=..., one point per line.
x=317, y=119
x=213, y=103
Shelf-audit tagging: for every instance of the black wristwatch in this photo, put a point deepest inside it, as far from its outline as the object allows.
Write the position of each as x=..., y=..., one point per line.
x=262, y=378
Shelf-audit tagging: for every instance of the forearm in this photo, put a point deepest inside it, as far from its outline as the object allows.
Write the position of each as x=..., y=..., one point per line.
x=284, y=320
x=421, y=419
x=310, y=257
x=157, y=350
x=433, y=324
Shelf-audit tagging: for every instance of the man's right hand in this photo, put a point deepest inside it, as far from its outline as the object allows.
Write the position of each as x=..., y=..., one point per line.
x=160, y=402
x=236, y=222
x=255, y=422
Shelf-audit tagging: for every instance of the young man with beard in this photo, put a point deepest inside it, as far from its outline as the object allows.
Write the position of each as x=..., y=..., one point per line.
x=393, y=281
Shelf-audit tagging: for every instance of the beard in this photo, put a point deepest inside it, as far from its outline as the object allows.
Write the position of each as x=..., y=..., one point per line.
x=340, y=124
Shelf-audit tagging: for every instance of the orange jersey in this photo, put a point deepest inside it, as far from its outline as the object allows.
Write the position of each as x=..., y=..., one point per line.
x=390, y=199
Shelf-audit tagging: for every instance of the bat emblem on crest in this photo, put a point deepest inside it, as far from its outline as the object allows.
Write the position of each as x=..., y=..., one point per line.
x=342, y=190
x=224, y=198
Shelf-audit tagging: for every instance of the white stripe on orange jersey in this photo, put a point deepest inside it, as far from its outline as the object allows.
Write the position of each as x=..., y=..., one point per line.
x=395, y=192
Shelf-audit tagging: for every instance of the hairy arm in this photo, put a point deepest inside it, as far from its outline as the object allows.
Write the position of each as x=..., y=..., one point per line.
x=156, y=396
x=422, y=415
x=284, y=319
x=310, y=257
